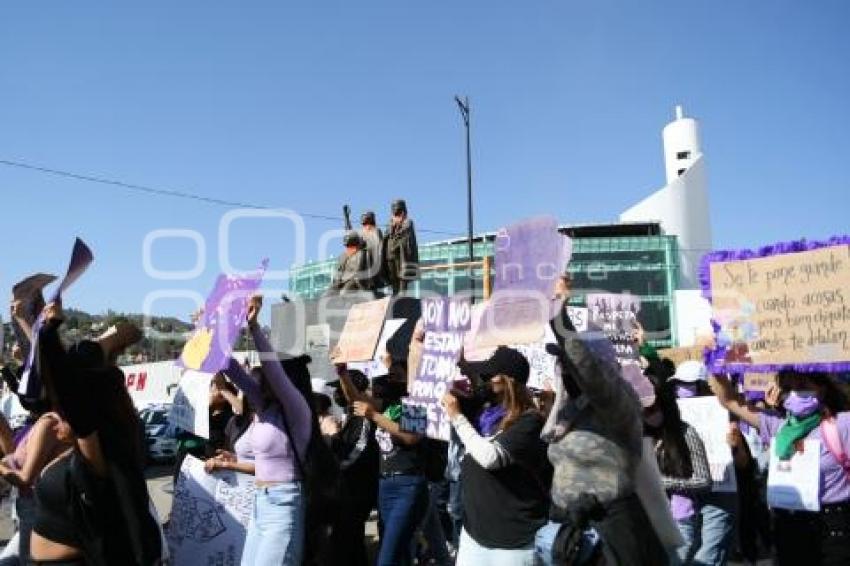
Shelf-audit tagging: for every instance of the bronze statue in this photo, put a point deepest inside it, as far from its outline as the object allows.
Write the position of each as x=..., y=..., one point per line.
x=401, y=254
x=372, y=239
x=351, y=271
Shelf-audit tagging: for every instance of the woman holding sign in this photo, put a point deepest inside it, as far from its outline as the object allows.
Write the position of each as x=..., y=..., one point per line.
x=505, y=473
x=279, y=433
x=814, y=410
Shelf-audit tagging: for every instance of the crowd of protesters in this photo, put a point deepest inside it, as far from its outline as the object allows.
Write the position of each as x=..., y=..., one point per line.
x=583, y=474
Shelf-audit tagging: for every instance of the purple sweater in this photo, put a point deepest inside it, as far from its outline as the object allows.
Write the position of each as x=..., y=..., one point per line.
x=273, y=455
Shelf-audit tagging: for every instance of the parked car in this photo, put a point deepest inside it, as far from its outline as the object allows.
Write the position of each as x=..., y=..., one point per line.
x=162, y=445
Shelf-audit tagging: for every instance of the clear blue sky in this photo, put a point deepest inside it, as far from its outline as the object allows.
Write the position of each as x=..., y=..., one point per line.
x=310, y=105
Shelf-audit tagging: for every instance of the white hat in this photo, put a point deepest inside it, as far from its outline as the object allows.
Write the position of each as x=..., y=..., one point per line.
x=691, y=371
x=320, y=386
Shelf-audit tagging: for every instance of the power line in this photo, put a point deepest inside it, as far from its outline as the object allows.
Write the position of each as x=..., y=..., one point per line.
x=174, y=193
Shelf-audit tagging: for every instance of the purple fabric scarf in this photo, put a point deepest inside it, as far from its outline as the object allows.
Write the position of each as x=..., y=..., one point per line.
x=490, y=418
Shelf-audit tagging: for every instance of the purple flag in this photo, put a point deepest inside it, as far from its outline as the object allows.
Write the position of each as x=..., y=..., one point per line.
x=211, y=345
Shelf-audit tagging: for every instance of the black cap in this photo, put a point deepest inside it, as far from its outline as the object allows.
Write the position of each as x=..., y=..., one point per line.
x=351, y=238
x=367, y=217
x=506, y=361
x=358, y=378
x=398, y=205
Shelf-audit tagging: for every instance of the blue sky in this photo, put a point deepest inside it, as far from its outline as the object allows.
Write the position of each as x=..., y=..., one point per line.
x=314, y=104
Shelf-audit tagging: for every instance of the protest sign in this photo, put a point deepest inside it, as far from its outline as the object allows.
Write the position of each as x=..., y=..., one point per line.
x=782, y=305
x=445, y=321
x=209, y=515
x=794, y=484
x=758, y=382
x=190, y=409
x=376, y=366
x=529, y=257
x=616, y=316
x=211, y=344
x=318, y=336
x=81, y=258
x=679, y=355
x=29, y=293
x=711, y=422
x=578, y=316
x=152, y=382
x=358, y=340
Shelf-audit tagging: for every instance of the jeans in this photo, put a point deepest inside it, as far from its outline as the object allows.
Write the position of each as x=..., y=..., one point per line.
x=455, y=508
x=717, y=513
x=402, y=503
x=690, y=532
x=471, y=553
x=276, y=532
x=545, y=540
x=432, y=527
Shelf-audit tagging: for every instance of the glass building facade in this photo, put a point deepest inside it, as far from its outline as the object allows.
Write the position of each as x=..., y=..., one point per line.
x=618, y=258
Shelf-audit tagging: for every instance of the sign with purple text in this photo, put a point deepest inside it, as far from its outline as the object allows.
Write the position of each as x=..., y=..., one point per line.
x=529, y=258
x=445, y=320
x=210, y=347
x=784, y=305
x=81, y=258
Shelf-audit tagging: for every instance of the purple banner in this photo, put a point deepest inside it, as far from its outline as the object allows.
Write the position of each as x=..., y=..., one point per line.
x=81, y=258
x=223, y=318
x=446, y=320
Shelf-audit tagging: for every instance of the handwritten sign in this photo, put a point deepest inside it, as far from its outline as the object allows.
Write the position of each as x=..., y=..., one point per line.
x=778, y=309
x=359, y=337
x=760, y=382
x=445, y=321
x=376, y=366
x=679, y=355
x=210, y=346
x=711, y=422
x=151, y=382
x=190, y=410
x=616, y=316
x=793, y=484
x=578, y=316
x=209, y=515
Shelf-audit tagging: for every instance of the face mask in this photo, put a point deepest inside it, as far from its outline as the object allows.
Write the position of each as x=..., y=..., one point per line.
x=686, y=391
x=801, y=404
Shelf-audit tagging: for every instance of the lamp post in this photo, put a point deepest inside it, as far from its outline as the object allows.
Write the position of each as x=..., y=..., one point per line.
x=463, y=105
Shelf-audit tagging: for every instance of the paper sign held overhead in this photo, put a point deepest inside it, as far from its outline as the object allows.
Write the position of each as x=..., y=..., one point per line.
x=211, y=344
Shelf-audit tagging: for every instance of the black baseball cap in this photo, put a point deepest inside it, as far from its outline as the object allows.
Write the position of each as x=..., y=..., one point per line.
x=358, y=378
x=506, y=361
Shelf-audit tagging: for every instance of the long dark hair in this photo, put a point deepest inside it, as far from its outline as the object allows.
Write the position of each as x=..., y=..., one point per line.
x=674, y=456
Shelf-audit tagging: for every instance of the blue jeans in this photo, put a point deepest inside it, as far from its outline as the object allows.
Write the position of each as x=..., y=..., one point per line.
x=276, y=532
x=545, y=540
x=471, y=553
x=689, y=528
x=432, y=528
x=717, y=513
x=455, y=509
x=402, y=502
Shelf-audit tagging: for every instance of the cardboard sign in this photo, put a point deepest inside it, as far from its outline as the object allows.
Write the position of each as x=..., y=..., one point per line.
x=711, y=422
x=445, y=320
x=529, y=257
x=359, y=338
x=191, y=408
x=782, y=309
x=209, y=515
x=679, y=355
x=376, y=366
x=616, y=316
x=760, y=382
x=81, y=258
x=152, y=382
x=794, y=484
x=211, y=344
x=318, y=336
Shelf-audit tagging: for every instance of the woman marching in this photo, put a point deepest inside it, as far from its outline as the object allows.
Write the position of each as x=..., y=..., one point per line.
x=815, y=409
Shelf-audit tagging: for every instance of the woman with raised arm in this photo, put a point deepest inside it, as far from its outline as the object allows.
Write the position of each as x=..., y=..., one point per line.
x=814, y=409
x=92, y=500
x=278, y=436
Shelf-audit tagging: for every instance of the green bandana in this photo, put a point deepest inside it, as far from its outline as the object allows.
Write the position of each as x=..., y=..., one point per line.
x=393, y=412
x=793, y=430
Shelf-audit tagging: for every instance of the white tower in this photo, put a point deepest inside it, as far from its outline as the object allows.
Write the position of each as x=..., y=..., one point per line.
x=681, y=145
x=682, y=205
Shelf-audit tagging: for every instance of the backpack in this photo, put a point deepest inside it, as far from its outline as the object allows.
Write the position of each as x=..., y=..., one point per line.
x=829, y=433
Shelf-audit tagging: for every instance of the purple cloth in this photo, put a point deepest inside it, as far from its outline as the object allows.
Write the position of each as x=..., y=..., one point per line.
x=834, y=482
x=682, y=506
x=686, y=391
x=489, y=419
x=274, y=457
x=801, y=406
